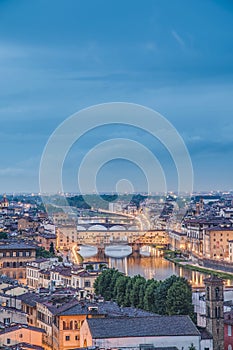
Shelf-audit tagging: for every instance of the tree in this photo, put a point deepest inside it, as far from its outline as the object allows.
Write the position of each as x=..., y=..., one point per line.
x=105, y=283
x=51, y=248
x=179, y=299
x=42, y=253
x=150, y=296
x=127, y=292
x=192, y=347
x=170, y=297
x=137, y=282
x=120, y=290
x=3, y=235
x=89, y=267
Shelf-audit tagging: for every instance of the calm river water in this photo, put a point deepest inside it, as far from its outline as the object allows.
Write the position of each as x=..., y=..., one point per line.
x=153, y=266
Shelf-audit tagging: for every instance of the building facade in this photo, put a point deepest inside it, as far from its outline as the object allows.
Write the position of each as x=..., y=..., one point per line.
x=14, y=257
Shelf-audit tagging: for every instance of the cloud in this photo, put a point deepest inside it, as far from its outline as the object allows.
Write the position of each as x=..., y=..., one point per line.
x=11, y=171
x=178, y=38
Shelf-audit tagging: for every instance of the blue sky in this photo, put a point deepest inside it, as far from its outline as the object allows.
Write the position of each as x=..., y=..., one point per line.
x=57, y=57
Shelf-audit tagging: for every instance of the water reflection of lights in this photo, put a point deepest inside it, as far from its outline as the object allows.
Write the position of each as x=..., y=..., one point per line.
x=153, y=266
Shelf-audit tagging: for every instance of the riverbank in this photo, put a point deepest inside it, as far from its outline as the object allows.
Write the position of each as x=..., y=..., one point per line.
x=189, y=265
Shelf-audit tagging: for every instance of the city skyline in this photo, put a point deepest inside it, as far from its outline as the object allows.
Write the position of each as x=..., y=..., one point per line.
x=57, y=59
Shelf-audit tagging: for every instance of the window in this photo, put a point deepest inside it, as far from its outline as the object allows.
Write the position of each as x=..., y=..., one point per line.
x=8, y=341
x=229, y=347
x=76, y=337
x=7, y=320
x=229, y=333
x=217, y=312
x=208, y=311
x=87, y=283
x=76, y=325
x=208, y=293
x=217, y=293
x=67, y=337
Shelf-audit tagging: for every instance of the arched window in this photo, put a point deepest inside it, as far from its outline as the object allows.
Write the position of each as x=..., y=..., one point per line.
x=64, y=325
x=229, y=347
x=208, y=311
x=217, y=312
x=208, y=293
x=217, y=292
x=71, y=324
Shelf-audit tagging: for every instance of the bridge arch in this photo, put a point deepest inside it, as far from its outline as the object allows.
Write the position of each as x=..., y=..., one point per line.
x=97, y=228
x=117, y=228
x=133, y=228
x=81, y=228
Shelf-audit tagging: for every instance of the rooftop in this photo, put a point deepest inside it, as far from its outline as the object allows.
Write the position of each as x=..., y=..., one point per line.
x=142, y=327
x=21, y=326
x=107, y=308
x=21, y=346
x=16, y=245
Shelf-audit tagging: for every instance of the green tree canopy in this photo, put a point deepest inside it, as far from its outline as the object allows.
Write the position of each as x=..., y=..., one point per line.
x=172, y=296
x=179, y=299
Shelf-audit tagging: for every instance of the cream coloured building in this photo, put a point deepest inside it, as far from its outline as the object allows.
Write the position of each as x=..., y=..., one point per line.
x=66, y=237
x=216, y=243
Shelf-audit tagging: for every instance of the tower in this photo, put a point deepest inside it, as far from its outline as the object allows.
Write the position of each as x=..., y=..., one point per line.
x=214, y=310
x=4, y=202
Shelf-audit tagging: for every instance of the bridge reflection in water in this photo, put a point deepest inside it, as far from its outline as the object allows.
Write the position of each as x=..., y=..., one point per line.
x=153, y=266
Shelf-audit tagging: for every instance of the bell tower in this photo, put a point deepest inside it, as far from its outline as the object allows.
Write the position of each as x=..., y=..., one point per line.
x=214, y=310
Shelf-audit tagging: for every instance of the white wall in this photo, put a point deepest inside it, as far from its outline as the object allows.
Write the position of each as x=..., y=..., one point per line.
x=207, y=343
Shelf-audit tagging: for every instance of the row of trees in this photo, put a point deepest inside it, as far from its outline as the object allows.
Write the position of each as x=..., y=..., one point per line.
x=172, y=296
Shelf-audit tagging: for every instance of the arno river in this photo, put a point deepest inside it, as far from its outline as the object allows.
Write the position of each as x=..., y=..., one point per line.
x=153, y=266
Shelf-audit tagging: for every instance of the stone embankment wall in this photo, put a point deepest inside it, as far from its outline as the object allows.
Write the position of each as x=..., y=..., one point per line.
x=217, y=265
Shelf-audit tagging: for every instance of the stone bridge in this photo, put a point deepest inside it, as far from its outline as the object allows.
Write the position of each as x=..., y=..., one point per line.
x=135, y=238
x=107, y=223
